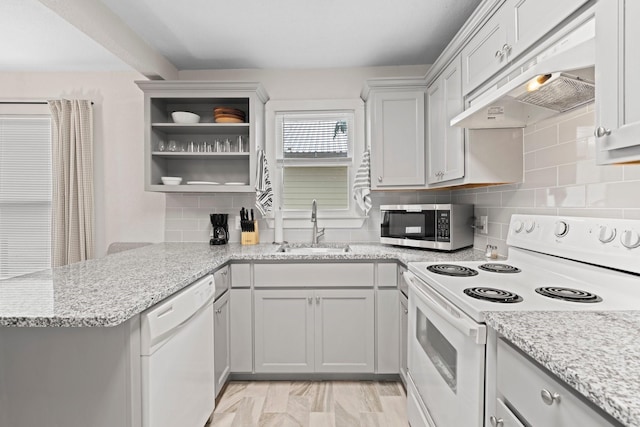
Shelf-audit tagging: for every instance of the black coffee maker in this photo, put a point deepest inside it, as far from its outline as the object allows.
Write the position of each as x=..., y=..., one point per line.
x=220, y=233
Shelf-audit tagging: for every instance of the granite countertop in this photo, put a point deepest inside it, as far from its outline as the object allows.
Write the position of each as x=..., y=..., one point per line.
x=113, y=289
x=596, y=353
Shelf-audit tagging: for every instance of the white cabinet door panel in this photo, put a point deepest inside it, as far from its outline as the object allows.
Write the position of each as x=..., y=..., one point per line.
x=284, y=323
x=221, y=345
x=387, y=331
x=241, y=330
x=344, y=331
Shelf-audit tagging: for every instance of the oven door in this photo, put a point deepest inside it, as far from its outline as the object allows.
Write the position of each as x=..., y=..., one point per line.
x=446, y=351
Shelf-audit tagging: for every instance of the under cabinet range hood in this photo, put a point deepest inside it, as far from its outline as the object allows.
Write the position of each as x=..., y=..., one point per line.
x=559, y=79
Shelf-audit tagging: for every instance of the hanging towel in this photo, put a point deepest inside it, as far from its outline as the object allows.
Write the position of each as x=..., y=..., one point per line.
x=362, y=184
x=264, y=191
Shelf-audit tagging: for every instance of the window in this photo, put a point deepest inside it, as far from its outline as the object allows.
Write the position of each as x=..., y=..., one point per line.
x=25, y=194
x=317, y=147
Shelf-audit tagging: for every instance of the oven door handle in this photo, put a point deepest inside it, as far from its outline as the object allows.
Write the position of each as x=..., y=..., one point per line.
x=446, y=310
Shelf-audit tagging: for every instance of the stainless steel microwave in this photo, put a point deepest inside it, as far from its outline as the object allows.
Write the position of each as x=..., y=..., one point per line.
x=444, y=227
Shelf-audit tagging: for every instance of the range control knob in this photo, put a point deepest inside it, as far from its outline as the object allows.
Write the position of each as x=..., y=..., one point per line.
x=630, y=239
x=518, y=226
x=606, y=234
x=561, y=229
x=529, y=226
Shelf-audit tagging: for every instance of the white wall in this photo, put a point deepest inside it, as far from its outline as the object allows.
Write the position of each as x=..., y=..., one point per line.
x=124, y=211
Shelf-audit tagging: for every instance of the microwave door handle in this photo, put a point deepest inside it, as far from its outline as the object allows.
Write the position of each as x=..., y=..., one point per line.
x=451, y=314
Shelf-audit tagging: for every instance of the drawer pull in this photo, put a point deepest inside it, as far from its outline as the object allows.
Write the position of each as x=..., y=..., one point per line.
x=548, y=397
x=496, y=422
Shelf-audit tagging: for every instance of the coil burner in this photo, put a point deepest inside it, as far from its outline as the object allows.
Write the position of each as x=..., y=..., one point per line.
x=568, y=294
x=499, y=268
x=493, y=295
x=452, y=270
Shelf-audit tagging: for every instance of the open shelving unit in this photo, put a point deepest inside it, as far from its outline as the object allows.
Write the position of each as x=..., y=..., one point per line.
x=201, y=97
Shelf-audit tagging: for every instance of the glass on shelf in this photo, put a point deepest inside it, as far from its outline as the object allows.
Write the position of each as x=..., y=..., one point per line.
x=161, y=146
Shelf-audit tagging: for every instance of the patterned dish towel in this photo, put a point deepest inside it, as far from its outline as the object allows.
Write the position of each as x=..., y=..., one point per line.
x=264, y=191
x=362, y=184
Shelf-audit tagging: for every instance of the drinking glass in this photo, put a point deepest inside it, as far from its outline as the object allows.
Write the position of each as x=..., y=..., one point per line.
x=173, y=145
x=161, y=146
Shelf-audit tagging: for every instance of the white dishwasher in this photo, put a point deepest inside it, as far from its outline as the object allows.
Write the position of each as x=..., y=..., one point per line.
x=178, y=385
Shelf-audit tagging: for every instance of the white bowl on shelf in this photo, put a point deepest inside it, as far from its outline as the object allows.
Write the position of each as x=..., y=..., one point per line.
x=171, y=180
x=184, y=117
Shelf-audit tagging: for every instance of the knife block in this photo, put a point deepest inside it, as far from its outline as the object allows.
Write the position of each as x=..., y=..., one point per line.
x=250, y=237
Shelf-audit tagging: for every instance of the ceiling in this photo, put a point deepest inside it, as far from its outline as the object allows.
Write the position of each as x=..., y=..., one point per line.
x=205, y=34
x=36, y=39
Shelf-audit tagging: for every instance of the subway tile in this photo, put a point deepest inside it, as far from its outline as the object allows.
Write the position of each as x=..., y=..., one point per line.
x=529, y=161
x=215, y=201
x=466, y=198
x=488, y=199
x=631, y=172
x=172, y=236
x=547, y=177
x=501, y=215
x=181, y=224
x=536, y=211
x=559, y=118
x=520, y=198
x=173, y=213
x=541, y=138
x=194, y=236
x=502, y=187
x=614, y=195
x=196, y=213
x=174, y=200
x=596, y=213
x=578, y=127
x=587, y=172
x=426, y=197
x=569, y=152
x=561, y=197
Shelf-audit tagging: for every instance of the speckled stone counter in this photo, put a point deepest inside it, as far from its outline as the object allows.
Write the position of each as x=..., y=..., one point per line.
x=596, y=353
x=111, y=290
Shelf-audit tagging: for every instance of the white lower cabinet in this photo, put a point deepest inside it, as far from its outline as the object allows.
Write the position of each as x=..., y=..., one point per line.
x=387, y=337
x=538, y=398
x=306, y=330
x=221, y=345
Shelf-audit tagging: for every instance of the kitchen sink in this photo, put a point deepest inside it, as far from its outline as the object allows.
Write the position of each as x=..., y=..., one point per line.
x=310, y=249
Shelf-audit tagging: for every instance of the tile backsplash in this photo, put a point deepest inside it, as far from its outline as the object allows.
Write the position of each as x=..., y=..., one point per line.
x=560, y=178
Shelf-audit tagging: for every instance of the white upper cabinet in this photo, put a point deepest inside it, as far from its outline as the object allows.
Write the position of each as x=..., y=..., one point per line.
x=396, y=132
x=617, y=85
x=445, y=143
x=512, y=29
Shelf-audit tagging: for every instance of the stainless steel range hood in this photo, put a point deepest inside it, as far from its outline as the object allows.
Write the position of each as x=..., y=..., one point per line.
x=560, y=79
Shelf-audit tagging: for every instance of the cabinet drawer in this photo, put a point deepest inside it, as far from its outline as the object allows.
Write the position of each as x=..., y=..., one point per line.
x=504, y=415
x=222, y=280
x=241, y=275
x=314, y=275
x=387, y=275
x=521, y=382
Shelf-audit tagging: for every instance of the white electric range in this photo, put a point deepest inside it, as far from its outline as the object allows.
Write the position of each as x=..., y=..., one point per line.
x=554, y=263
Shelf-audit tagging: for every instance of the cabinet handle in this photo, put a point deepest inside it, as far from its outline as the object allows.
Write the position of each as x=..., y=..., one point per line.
x=406, y=311
x=218, y=311
x=317, y=300
x=506, y=48
x=548, y=397
x=496, y=422
x=379, y=179
x=602, y=131
x=499, y=54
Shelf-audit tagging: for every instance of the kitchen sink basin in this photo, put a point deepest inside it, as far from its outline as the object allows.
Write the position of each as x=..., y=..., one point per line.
x=313, y=249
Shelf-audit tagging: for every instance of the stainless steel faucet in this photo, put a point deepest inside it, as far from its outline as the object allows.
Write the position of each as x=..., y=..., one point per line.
x=314, y=220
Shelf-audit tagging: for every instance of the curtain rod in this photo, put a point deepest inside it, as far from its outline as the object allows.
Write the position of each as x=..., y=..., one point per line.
x=26, y=102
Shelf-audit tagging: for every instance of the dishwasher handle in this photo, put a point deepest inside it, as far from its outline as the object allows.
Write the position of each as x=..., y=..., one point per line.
x=161, y=320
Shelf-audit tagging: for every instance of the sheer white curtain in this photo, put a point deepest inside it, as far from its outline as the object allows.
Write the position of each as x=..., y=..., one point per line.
x=72, y=164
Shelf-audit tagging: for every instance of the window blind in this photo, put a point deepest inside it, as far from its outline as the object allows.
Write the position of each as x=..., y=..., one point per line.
x=25, y=194
x=328, y=185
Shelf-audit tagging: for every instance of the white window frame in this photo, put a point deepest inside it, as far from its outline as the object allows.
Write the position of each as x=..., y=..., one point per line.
x=329, y=218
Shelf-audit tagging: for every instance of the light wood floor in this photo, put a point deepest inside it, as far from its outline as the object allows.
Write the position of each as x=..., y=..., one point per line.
x=311, y=404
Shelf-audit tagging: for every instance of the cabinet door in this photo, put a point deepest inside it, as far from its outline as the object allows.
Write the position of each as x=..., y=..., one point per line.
x=483, y=56
x=241, y=330
x=221, y=323
x=397, y=140
x=532, y=19
x=446, y=143
x=617, y=85
x=344, y=331
x=404, y=327
x=284, y=330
